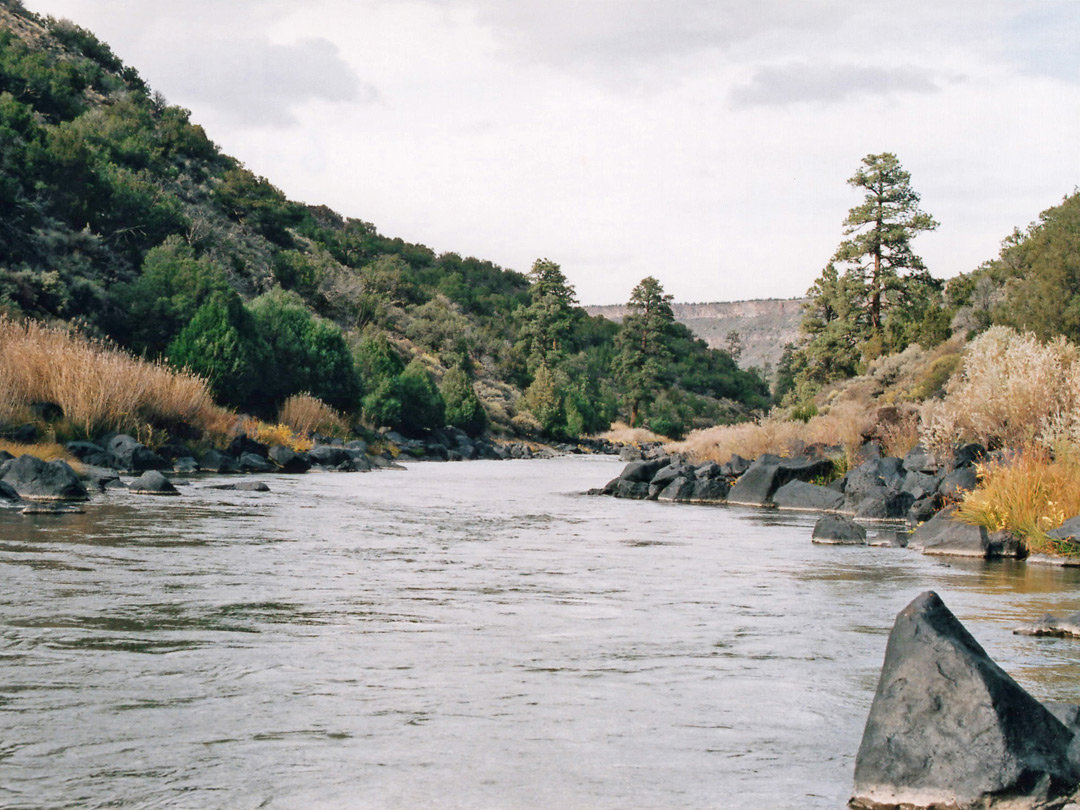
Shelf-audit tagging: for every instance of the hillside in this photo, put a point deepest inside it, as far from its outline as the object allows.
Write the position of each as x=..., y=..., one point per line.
x=765, y=326
x=120, y=215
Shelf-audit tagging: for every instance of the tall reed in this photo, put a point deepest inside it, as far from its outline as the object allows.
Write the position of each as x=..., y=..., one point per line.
x=99, y=387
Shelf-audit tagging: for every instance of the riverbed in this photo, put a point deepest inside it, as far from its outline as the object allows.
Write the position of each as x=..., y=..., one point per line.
x=475, y=635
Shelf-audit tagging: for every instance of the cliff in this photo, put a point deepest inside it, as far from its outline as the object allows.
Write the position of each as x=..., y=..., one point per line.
x=765, y=326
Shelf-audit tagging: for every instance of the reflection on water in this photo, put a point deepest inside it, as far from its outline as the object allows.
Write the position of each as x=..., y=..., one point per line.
x=474, y=635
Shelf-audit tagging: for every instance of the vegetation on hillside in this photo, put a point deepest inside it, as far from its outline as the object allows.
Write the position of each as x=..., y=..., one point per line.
x=120, y=215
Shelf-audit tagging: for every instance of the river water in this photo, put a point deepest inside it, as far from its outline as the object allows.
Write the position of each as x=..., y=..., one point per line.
x=476, y=635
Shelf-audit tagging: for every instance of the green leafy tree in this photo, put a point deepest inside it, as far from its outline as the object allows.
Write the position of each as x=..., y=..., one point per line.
x=310, y=353
x=544, y=398
x=547, y=321
x=422, y=406
x=173, y=284
x=222, y=343
x=380, y=370
x=642, y=364
x=880, y=231
x=463, y=407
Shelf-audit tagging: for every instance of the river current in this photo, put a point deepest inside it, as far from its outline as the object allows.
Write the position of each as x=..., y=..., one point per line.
x=477, y=635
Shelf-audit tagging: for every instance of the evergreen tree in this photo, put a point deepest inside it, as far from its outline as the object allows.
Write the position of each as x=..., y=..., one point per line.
x=642, y=364
x=223, y=344
x=463, y=408
x=880, y=231
x=547, y=321
x=422, y=406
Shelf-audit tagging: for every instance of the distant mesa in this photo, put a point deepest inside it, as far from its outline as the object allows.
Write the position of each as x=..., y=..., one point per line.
x=765, y=325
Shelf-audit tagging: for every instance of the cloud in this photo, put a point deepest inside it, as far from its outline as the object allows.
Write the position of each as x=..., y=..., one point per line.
x=806, y=83
x=256, y=82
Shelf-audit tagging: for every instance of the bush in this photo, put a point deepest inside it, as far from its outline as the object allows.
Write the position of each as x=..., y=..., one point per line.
x=309, y=353
x=306, y=415
x=223, y=344
x=422, y=406
x=380, y=370
x=463, y=408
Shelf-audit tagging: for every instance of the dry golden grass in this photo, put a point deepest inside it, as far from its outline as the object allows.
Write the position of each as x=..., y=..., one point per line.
x=622, y=433
x=306, y=415
x=99, y=387
x=843, y=425
x=46, y=451
x=1028, y=495
x=272, y=434
x=899, y=437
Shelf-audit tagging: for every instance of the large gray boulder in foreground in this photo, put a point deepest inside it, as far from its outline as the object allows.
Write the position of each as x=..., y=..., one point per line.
x=948, y=728
x=838, y=531
x=38, y=480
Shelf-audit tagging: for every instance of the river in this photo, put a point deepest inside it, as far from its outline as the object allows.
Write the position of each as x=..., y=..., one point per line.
x=476, y=635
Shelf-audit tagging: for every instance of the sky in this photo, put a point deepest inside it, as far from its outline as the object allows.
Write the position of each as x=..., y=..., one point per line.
x=703, y=142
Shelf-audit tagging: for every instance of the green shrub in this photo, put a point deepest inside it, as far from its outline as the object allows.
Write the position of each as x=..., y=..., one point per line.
x=422, y=406
x=222, y=343
x=463, y=408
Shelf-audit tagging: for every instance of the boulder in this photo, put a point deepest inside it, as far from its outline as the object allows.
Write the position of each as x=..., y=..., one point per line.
x=808, y=497
x=942, y=535
x=629, y=453
x=735, y=466
x=948, y=728
x=969, y=454
x=873, y=478
x=213, y=461
x=710, y=490
x=252, y=486
x=129, y=454
x=921, y=485
x=1050, y=625
x=840, y=531
x=884, y=505
x=1068, y=531
x=253, y=462
x=635, y=490
x=922, y=510
x=643, y=470
x=244, y=444
x=8, y=493
x=288, y=460
x=185, y=464
x=328, y=456
x=37, y=480
x=102, y=478
x=709, y=470
x=956, y=483
x=678, y=489
x=920, y=460
x=152, y=482
x=665, y=475
x=768, y=473
x=88, y=453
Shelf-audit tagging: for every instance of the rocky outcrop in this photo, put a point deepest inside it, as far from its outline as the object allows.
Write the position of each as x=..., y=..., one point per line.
x=129, y=454
x=808, y=497
x=948, y=728
x=943, y=535
x=37, y=480
x=769, y=473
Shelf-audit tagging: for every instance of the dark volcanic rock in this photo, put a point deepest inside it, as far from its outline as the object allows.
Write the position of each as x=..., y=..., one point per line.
x=152, y=482
x=287, y=460
x=949, y=728
x=678, y=489
x=102, y=478
x=1069, y=530
x=185, y=464
x=956, y=483
x=252, y=486
x=8, y=493
x=810, y=497
x=873, y=478
x=328, y=455
x=253, y=462
x=129, y=454
x=1050, y=625
x=885, y=505
x=38, y=480
x=243, y=444
x=768, y=473
x=213, y=461
x=710, y=490
x=837, y=530
x=636, y=490
x=944, y=536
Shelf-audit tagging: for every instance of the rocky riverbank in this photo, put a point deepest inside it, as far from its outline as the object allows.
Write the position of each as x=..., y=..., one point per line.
x=916, y=493
x=101, y=463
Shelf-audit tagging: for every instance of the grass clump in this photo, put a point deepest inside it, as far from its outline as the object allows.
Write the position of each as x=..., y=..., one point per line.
x=1027, y=494
x=46, y=451
x=99, y=387
x=307, y=415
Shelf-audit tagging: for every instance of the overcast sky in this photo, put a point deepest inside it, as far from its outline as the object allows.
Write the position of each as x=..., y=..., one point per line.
x=705, y=142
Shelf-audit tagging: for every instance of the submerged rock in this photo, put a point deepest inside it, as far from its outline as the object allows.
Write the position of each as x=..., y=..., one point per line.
x=948, y=728
x=1050, y=625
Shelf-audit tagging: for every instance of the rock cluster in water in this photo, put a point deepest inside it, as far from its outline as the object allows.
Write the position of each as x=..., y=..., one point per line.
x=948, y=728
